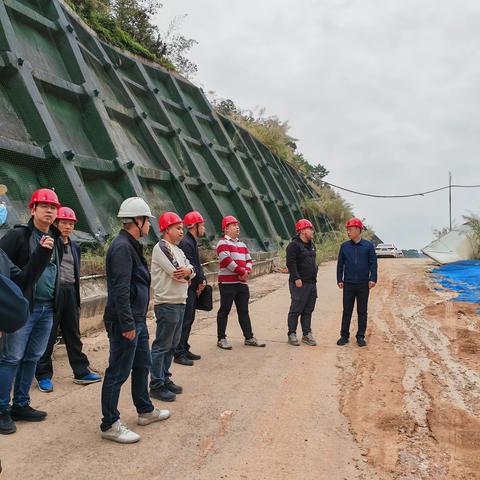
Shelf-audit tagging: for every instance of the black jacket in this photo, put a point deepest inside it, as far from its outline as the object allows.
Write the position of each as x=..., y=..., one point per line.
x=128, y=283
x=31, y=273
x=76, y=267
x=302, y=261
x=19, y=246
x=189, y=246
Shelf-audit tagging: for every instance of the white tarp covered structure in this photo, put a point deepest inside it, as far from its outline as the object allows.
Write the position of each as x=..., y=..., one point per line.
x=454, y=246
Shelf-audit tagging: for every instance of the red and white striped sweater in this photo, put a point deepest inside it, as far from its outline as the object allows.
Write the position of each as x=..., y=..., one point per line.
x=234, y=259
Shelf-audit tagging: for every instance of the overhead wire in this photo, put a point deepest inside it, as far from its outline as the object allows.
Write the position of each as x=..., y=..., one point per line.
x=407, y=195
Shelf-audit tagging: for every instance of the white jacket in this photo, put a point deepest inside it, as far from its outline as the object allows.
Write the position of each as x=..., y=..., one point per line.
x=167, y=289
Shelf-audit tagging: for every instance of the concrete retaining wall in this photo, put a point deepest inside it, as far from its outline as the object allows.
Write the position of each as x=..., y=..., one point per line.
x=93, y=289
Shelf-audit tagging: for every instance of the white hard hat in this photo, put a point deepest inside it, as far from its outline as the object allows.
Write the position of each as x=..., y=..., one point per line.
x=134, y=207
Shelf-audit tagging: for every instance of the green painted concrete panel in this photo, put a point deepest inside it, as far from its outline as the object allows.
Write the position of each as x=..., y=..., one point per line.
x=98, y=125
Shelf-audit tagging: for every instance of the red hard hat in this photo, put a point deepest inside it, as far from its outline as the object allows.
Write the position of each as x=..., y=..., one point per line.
x=168, y=218
x=303, y=223
x=66, y=213
x=355, y=222
x=228, y=220
x=192, y=218
x=44, y=195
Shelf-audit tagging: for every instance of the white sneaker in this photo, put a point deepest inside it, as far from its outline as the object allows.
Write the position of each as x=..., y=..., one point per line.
x=120, y=433
x=223, y=343
x=309, y=340
x=293, y=340
x=154, y=416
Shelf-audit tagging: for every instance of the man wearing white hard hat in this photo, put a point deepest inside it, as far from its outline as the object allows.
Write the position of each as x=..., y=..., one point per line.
x=128, y=284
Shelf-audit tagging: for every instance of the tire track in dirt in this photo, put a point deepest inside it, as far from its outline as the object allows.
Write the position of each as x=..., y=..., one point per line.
x=414, y=327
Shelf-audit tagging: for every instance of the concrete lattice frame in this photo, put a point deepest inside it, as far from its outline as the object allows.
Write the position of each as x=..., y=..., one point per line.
x=99, y=124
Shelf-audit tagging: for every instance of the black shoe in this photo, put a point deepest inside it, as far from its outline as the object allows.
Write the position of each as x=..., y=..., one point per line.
x=163, y=394
x=342, y=341
x=193, y=356
x=183, y=360
x=361, y=342
x=7, y=425
x=28, y=414
x=173, y=388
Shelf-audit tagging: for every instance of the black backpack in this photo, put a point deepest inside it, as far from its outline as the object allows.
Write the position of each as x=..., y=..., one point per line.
x=13, y=306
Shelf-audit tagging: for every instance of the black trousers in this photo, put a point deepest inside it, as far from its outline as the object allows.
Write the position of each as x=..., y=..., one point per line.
x=67, y=317
x=302, y=305
x=188, y=319
x=352, y=292
x=240, y=294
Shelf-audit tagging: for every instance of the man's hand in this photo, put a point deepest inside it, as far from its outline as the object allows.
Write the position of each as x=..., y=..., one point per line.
x=340, y=284
x=201, y=287
x=181, y=273
x=47, y=242
x=244, y=277
x=298, y=283
x=371, y=285
x=130, y=335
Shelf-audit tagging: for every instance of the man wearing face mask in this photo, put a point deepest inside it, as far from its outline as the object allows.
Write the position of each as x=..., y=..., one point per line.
x=128, y=284
x=67, y=316
x=302, y=267
x=23, y=348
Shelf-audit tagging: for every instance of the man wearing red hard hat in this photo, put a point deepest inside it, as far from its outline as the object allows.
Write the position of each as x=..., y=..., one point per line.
x=67, y=315
x=171, y=277
x=23, y=348
x=302, y=267
x=235, y=267
x=195, y=225
x=356, y=275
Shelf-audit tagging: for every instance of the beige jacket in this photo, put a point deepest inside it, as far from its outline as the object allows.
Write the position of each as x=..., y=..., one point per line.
x=167, y=289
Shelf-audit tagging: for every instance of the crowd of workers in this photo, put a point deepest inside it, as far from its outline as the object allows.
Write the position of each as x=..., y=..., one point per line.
x=40, y=293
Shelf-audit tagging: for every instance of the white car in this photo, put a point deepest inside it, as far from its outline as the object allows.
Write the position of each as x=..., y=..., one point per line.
x=388, y=250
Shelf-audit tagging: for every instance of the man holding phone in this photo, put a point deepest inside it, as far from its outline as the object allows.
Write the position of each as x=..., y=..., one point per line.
x=23, y=348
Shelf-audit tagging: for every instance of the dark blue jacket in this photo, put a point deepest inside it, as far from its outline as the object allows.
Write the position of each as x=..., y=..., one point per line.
x=128, y=283
x=190, y=248
x=357, y=262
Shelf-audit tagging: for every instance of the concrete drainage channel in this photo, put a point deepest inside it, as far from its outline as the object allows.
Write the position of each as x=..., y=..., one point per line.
x=93, y=288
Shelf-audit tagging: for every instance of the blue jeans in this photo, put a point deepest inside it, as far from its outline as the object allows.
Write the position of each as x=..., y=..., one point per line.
x=19, y=354
x=169, y=329
x=126, y=356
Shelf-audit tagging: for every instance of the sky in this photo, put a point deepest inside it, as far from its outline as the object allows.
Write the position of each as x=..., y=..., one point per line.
x=384, y=93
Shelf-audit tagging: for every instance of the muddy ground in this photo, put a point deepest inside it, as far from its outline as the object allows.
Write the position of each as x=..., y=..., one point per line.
x=405, y=407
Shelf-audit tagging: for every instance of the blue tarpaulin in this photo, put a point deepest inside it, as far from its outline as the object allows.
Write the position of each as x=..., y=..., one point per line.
x=461, y=277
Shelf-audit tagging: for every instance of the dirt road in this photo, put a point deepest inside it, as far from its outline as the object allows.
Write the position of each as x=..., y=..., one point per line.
x=405, y=407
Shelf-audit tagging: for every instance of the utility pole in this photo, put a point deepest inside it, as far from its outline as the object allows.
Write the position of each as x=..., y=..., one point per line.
x=450, y=197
